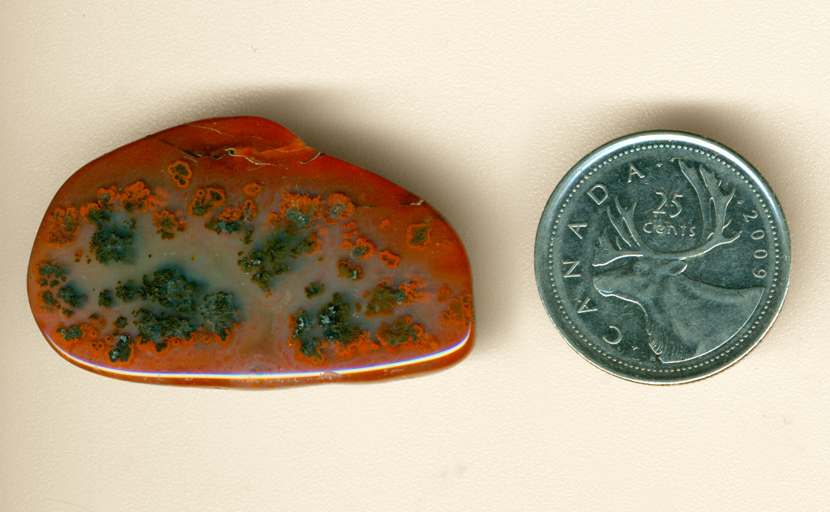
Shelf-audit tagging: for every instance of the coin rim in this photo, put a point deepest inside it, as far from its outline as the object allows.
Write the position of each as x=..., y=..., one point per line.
x=662, y=136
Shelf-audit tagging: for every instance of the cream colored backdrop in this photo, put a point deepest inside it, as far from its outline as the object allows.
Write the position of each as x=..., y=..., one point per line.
x=479, y=108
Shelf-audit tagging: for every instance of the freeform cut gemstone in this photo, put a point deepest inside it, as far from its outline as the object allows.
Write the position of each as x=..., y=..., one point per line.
x=228, y=253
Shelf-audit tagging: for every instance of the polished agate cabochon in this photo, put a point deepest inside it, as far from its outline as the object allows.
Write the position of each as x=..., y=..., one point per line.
x=228, y=253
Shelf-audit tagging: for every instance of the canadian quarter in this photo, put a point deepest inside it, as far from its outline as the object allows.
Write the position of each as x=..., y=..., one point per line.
x=662, y=257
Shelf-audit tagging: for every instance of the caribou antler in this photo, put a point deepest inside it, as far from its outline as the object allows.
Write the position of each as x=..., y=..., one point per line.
x=713, y=203
x=609, y=252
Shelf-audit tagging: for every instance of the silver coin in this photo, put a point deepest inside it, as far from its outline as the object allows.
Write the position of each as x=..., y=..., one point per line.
x=662, y=257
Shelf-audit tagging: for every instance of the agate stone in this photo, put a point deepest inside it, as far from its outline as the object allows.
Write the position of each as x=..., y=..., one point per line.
x=228, y=253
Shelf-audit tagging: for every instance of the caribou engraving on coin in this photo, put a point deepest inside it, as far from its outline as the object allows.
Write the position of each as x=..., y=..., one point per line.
x=656, y=283
x=662, y=257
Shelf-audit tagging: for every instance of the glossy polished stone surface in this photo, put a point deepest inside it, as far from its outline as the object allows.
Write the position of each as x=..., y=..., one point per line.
x=228, y=253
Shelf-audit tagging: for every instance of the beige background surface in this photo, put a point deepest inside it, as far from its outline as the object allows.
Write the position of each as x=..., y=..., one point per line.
x=480, y=109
